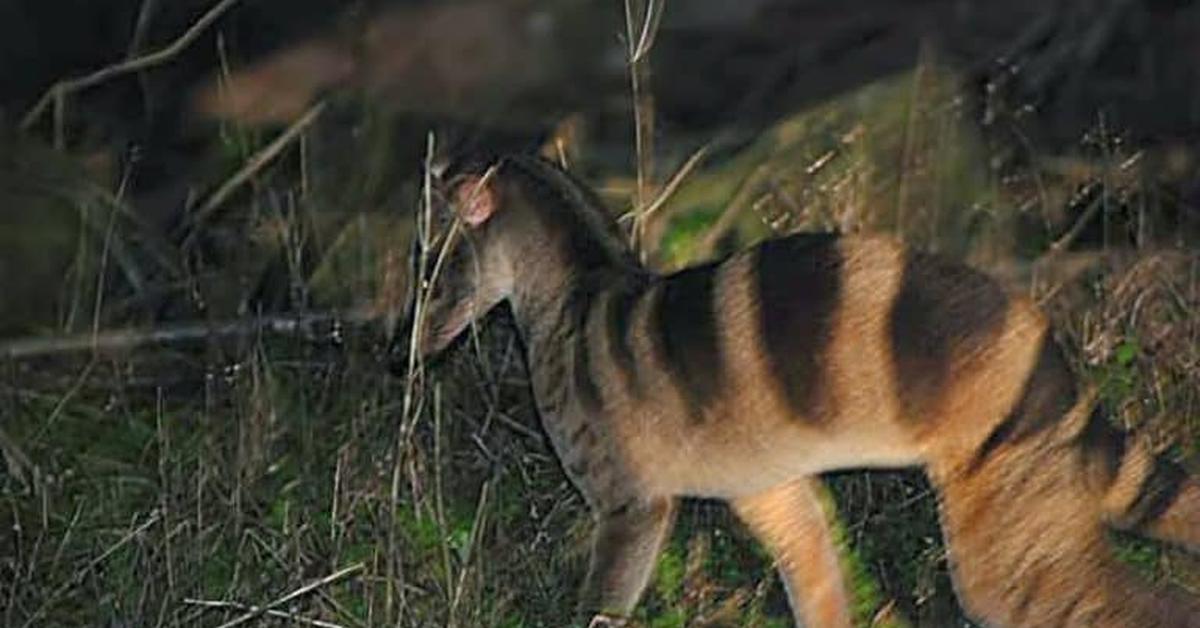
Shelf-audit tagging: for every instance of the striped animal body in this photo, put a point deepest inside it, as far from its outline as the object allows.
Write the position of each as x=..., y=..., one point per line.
x=743, y=379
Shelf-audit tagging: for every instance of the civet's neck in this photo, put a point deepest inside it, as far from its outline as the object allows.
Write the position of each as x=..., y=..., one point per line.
x=565, y=251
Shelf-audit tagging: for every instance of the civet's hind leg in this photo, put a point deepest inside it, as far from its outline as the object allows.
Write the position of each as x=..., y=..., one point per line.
x=791, y=522
x=1025, y=527
x=1179, y=520
x=1155, y=497
x=625, y=545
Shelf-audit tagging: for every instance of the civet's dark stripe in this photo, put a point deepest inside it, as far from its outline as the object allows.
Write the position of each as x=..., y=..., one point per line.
x=799, y=280
x=620, y=343
x=685, y=325
x=941, y=307
x=584, y=374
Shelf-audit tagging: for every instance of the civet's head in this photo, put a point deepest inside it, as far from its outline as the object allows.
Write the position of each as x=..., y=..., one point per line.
x=456, y=272
x=491, y=230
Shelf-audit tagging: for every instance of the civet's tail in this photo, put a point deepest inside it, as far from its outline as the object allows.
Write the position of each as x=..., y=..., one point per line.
x=1030, y=519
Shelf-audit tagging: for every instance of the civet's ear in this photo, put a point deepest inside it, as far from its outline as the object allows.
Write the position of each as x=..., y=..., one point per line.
x=475, y=198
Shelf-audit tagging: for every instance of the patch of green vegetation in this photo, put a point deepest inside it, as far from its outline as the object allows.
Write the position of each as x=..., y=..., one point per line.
x=1119, y=377
x=897, y=156
x=669, y=574
x=513, y=621
x=671, y=618
x=680, y=240
x=422, y=530
x=1143, y=555
x=865, y=591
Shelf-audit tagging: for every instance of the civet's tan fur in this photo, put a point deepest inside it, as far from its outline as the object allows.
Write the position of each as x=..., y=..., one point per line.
x=743, y=379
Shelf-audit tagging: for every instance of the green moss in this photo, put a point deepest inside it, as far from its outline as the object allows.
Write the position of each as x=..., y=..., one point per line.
x=1119, y=377
x=421, y=529
x=673, y=618
x=1143, y=555
x=896, y=155
x=669, y=574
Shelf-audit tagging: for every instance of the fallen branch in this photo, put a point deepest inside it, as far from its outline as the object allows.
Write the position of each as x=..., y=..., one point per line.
x=125, y=339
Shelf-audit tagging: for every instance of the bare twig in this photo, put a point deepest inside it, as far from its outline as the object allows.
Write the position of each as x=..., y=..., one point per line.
x=124, y=339
x=519, y=428
x=475, y=538
x=255, y=164
x=58, y=92
x=141, y=28
x=264, y=611
x=439, y=502
x=16, y=461
x=653, y=15
x=61, y=406
x=1068, y=238
x=664, y=195
x=637, y=50
x=258, y=611
x=396, y=596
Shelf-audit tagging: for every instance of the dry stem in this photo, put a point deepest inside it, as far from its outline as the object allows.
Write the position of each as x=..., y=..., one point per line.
x=256, y=163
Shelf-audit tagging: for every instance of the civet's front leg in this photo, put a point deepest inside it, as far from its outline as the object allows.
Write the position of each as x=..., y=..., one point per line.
x=791, y=522
x=625, y=546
